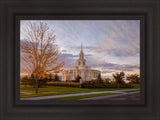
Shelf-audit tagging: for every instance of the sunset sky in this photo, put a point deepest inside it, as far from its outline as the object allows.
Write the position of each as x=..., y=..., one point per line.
x=108, y=45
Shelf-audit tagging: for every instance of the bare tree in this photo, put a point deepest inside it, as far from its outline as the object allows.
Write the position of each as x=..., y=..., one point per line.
x=39, y=51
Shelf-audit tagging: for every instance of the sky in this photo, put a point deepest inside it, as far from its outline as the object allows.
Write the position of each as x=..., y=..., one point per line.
x=108, y=45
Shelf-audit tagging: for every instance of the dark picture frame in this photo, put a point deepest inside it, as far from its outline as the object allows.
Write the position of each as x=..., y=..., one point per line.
x=147, y=12
x=18, y=18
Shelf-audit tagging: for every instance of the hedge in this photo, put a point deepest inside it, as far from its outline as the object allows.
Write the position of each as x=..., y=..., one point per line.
x=91, y=84
x=63, y=84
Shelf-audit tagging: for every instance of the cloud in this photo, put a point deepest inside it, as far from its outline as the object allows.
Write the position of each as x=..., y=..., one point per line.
x=123, y=67
x=64, y=50
x=68, y=59
x=111, y=47
x=85, y=55
x=99, y=63
x=108, y=45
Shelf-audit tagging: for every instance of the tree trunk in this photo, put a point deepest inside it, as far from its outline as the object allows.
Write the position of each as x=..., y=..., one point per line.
x=36, y=85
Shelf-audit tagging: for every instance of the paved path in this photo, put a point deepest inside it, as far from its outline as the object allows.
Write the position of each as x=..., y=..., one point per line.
x=124, y=96
x=25, y=93
x=130, y=96
x=78, y=94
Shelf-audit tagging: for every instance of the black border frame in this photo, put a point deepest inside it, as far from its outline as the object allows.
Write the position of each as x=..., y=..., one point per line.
x=11, y=108
x=73, y=102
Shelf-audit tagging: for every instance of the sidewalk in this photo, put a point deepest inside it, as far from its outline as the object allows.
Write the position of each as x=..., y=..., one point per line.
x=113, y=97
x=78, y=94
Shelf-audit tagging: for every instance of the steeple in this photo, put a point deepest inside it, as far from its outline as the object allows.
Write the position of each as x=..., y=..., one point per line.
x=81, y=45
x=81, y=54
x=81, y=60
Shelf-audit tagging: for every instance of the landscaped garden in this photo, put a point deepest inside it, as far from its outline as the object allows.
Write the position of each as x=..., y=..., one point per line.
x=29, y=91
x=48, y=87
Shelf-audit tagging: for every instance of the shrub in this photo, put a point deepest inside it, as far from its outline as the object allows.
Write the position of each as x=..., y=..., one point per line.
x=56, y=78
x=63, y=84
x=77, y=79
x=93, y=84
x=32, y=82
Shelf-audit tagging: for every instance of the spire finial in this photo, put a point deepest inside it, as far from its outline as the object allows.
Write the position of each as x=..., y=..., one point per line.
x=81, y=45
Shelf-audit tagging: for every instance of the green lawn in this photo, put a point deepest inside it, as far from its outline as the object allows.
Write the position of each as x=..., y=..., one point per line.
x=83, y=96
x=55, y=90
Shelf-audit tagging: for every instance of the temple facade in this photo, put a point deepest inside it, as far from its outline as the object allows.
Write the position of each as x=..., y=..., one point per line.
x=85, y=72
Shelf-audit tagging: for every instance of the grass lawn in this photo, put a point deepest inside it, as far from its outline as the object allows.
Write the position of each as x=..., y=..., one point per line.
x=83, y=96
x=55, y=90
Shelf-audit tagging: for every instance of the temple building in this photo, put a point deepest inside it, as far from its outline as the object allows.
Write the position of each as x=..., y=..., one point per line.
x=85, y=72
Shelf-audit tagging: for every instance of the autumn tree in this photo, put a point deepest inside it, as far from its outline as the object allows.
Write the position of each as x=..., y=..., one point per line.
x=39, y=50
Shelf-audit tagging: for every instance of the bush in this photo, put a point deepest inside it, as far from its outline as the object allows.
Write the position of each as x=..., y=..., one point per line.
x=71, y=81
x=63, y=84
x=107, y=80
x=32, y=82
x=56, y=78
x=77, y=79
x=93, y=84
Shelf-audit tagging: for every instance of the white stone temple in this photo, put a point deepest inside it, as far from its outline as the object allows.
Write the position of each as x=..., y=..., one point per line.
x=86, y=73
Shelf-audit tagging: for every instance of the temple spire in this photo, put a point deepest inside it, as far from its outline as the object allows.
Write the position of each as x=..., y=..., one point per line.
x=81, y=60
x=81, y=54
x=81, y=45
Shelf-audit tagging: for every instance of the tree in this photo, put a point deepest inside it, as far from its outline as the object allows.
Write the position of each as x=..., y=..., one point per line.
x=39, y=51
x=41, y=82
x=133, y=78
x=99, y=79
x=77, y=79
x=50, y=77
x=25, y=81
x=56, y=78
x=107, y=80
x=119, y=77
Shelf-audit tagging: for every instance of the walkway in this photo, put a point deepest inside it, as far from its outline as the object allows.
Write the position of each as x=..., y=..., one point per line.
x=78, y=94
x=126, y=96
